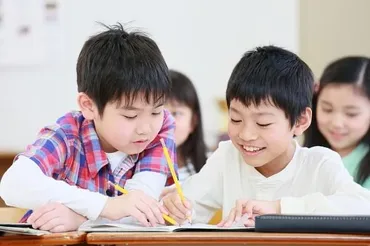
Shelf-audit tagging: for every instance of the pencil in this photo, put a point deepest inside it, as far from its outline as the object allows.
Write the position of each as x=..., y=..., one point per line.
x=173, y=173
x=124, y=191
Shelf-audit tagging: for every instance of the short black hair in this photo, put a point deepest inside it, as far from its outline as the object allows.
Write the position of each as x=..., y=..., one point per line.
x=272, y=74
x=116, y=63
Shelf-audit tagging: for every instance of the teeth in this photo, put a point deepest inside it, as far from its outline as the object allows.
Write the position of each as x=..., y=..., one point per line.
x=252, y=149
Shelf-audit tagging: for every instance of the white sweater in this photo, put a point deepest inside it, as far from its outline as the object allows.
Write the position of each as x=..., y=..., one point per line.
x=314, y=182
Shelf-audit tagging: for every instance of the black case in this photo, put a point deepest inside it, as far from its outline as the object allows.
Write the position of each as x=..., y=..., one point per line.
x=312, y=223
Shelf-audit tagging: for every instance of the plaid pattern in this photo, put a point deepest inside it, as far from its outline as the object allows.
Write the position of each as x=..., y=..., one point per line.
x=70, y=151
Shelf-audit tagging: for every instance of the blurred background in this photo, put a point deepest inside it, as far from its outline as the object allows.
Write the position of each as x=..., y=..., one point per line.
x=41, y=39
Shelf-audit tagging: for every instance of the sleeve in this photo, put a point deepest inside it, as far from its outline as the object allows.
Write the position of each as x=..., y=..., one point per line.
x=341, y=195
x=29, y=182
x=150, y=183
x=205, y=189
x=24, y=185
x=49, y=151
x=152, y=159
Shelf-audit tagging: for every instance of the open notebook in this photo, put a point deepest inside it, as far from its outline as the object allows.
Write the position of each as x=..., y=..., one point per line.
x=20, y=228
x=129, y=225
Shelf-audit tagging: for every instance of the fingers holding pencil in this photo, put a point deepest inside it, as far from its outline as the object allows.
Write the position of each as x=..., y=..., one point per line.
x=153, y=206
x=176, y=202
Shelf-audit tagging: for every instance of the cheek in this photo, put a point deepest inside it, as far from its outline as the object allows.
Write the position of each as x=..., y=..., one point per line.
x=121, y=129
x=232, y=130
x=183, y=129
x=359, y=125
x=322, y=119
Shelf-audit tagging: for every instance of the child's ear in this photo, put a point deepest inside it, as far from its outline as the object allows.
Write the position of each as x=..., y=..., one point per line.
x=87, y=106
x=303, y=122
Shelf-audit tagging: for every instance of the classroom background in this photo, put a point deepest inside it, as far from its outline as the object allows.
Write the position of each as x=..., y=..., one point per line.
x=41, y=39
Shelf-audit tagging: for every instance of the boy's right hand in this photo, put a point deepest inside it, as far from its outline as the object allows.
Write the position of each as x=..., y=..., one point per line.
x=178, y=210
x=137, y=204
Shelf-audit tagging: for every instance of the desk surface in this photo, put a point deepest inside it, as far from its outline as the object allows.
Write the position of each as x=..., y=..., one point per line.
x=226, y=238
x=67, y=238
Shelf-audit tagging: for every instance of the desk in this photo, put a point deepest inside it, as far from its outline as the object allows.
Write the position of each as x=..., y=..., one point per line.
x=225, y=238
x=68, y=238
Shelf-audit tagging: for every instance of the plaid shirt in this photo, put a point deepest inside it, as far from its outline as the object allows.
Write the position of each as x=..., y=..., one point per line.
x=70, y=151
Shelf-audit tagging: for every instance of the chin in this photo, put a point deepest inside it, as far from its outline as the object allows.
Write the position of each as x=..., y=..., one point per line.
x=253, y=163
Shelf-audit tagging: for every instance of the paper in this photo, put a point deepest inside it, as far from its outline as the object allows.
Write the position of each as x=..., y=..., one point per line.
x=21, y=228
x=129, y=225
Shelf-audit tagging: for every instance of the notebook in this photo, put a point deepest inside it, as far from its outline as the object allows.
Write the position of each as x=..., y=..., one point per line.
x=20, y=228
x=129, y=225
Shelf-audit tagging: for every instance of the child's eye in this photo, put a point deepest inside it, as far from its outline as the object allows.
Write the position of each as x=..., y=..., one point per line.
x=156, y=113
x=264, y=125
x=327, y=110
x=351, y=115
x=130, y=117
x=176, y=113
x=235, y=121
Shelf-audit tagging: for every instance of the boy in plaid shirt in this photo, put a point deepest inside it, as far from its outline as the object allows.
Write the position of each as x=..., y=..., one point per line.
x=123, y=83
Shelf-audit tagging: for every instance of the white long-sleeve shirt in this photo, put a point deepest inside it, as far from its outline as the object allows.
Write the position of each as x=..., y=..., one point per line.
x=314, y=182
x=24, y=185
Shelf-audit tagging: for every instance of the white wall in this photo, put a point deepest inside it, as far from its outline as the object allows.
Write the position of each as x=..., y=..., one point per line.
x=202, y=38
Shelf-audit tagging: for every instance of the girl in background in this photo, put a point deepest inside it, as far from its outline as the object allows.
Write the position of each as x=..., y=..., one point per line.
x=184, y=105
x=341, y=115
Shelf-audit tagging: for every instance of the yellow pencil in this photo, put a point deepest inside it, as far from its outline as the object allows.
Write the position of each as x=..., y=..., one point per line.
x=124, y=191
x=173, y=173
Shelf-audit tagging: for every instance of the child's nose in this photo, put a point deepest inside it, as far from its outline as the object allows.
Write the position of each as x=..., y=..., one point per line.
x=247, y=134
x=143, y=129
x=337, y=121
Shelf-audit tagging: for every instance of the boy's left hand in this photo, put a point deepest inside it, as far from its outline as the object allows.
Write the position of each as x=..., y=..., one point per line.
x=251, y=209
x=55, y=217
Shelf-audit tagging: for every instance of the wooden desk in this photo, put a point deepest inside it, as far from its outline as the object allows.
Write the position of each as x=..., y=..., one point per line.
x=225, y=238
x=68, y=238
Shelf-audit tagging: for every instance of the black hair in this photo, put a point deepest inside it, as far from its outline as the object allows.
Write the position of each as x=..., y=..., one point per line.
x=115, y=63
x=351, y=70
x=272, y=74
x=184, y=92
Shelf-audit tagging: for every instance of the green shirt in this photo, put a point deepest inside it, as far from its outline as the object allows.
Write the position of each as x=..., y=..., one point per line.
x=353, y=159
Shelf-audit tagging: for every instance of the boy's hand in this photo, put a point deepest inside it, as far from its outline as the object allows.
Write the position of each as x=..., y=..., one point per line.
x=137, y=204
x=55, y=217
x=167, y=190
x=249, y=209
x=178, y=210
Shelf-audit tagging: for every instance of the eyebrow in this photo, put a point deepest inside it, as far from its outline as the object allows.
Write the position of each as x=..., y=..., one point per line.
x=257, y=114
x=351, y=107
x=264, y=113
x=346, y=107
x=132, y=108
x=325, y=102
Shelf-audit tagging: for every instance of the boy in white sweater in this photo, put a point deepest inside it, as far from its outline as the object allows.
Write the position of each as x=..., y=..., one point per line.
x=263, y=170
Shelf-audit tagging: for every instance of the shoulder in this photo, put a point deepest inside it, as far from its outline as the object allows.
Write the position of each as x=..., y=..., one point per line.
x=64, y=132
x=319, y=153
x=69, y=124
x=321, y=158
x=226, y=152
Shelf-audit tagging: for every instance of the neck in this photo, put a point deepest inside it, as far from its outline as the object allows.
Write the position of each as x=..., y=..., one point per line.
x=279, y=163
x=345, y=151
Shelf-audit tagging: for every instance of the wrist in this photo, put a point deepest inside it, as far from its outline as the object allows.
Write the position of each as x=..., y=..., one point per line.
x=107, y=209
